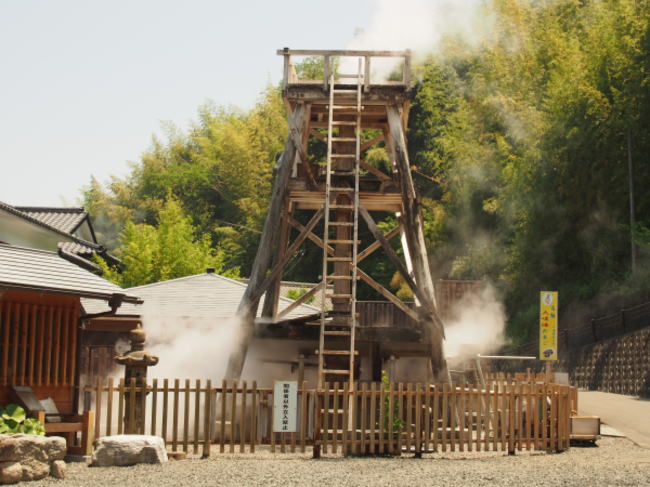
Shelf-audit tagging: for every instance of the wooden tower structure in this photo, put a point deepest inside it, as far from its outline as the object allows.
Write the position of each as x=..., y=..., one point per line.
x=349, y=113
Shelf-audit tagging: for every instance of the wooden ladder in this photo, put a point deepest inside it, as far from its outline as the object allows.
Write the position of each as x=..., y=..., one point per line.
x=336, y=352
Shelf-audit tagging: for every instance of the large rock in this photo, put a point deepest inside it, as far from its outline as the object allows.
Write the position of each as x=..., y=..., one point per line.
x=123, y=450
x=10, y=472
x=28, y=457
x=17, y=447
x=58, y=469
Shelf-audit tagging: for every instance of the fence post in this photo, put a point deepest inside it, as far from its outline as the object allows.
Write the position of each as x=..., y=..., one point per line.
x=318, y=407
x=207, y=413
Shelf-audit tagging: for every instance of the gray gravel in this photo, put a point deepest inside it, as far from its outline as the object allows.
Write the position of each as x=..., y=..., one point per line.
x=615, y=462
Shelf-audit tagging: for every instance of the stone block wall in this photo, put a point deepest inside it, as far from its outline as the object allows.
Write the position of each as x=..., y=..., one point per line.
x=620, y=365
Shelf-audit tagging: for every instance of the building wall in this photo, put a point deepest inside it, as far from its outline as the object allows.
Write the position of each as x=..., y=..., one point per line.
x=38, y=345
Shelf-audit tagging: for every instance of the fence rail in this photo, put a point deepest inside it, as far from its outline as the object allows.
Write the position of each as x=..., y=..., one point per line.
x=367, y=418
x=598, y=329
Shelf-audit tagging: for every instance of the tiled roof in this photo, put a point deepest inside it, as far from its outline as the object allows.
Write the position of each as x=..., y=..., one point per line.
x=65, y=219
x=36, y=221
x=40, y=270
x=78, y=248
x=201, y=295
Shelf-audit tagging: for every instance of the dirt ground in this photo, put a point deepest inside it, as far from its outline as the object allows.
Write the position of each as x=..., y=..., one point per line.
x=614, y=462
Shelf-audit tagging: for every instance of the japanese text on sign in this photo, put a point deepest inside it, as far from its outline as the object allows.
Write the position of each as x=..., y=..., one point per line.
x=285, y=401
x=548, y=311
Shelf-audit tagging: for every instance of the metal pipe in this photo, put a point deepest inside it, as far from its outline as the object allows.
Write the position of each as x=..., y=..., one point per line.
x=504, y=357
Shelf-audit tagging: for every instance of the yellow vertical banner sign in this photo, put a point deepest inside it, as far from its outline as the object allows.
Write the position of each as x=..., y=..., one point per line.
x=548, y=311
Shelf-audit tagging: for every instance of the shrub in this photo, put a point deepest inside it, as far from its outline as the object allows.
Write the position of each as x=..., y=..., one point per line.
x=13, y=419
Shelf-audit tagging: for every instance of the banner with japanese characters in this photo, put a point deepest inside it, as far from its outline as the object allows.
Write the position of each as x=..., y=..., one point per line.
x=548, y=312
x=285, y=406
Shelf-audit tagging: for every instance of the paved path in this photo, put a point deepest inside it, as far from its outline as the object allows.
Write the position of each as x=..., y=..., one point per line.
x=628, y=414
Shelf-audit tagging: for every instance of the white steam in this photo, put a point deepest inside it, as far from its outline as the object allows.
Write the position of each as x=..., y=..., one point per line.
x=477, y=324
x=419, y=25
x=196, y=347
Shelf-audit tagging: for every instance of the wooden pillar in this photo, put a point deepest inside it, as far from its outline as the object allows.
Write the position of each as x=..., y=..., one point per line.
x=414, y=232
x=272, y=296
x=268, y=242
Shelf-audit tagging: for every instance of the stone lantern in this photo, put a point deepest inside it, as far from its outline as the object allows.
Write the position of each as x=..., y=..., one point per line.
x=135, y=362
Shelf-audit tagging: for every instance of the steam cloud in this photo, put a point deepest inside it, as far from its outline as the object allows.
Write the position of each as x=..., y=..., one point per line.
x=477, y=326
x=419, y=25
x=196, y=347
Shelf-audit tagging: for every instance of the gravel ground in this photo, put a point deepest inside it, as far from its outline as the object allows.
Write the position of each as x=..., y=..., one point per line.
x=615, y=462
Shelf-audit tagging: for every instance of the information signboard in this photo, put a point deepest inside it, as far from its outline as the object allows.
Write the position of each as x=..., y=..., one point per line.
x=548, y=311
x=285, y=406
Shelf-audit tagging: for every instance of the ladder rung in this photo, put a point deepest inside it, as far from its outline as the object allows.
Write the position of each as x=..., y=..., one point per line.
x=341, y=224
x=343, y=122
x=337, y=333
x=341, y=278
x=336, y=296
x=339, y=259
x=336, y=371
x=346, y=107
x=342, y=156
x=337, y=206
x=338, y=352
x=344, y=139
x=349, y=242
x=340, y=172
x=345, y=91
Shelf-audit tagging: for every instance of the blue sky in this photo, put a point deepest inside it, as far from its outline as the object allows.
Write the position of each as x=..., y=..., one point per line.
x=85, y=84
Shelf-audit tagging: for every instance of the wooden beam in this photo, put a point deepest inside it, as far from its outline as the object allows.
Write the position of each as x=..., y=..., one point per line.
x=414, y=232
x=369, y=143
x=277, y=268
x=387, y=294
x=270, y=306
x=248, y=305
x=311, y=236
x=394, y=258
x=339, y=53
x=304, y=138
x=301, y=300
x=376, y=244
x=376, y=172
x=318, y=135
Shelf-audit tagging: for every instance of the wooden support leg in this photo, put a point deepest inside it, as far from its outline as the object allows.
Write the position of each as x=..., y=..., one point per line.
x=270, y=306
x=414, y=232
x=268, y=242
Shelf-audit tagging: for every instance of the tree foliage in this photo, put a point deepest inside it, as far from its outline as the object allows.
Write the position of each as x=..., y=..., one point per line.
x=169, y=249
x=519, y=148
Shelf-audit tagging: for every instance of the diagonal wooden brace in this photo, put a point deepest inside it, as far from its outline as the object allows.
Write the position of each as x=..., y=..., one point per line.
x=301, y=300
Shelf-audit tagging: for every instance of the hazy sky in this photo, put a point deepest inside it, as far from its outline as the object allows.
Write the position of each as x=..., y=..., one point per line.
x=84, y=84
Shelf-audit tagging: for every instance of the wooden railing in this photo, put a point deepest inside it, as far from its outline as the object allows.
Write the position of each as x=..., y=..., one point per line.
x=368, y=418
x=290, y=77
x=384, y=314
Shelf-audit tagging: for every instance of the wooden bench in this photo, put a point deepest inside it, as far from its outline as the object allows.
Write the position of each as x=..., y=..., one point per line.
x=66, y=425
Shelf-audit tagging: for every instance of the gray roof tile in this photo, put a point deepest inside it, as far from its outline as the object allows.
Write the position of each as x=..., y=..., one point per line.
x=39, y=270
x=201, y=295
x=65, y=219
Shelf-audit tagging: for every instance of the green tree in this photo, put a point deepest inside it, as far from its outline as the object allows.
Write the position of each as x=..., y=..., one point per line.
x=168, y=250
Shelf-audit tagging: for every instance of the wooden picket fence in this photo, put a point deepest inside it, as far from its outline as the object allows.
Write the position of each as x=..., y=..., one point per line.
x=368, y=418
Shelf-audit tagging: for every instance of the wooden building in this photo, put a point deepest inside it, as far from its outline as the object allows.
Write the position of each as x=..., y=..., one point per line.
x=40, y=320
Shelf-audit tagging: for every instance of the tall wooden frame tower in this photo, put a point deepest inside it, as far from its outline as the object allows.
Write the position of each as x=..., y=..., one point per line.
x=349, y=113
